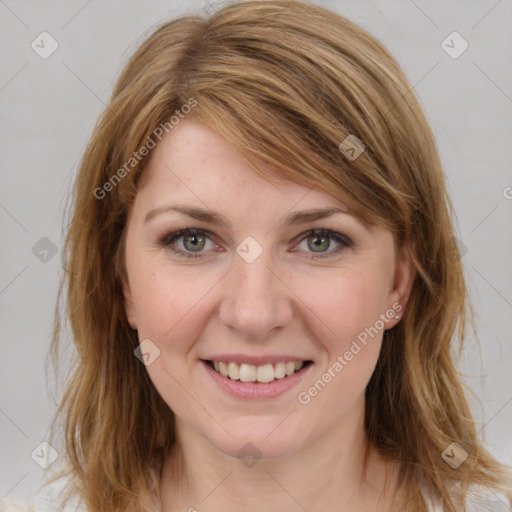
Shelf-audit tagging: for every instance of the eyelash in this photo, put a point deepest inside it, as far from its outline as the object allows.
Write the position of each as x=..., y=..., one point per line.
x=170, y=238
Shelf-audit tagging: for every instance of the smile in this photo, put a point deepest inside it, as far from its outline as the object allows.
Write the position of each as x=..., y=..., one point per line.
x=265, y=373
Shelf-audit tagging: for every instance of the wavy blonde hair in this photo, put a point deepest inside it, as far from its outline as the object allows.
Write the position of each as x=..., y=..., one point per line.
x=284, y=83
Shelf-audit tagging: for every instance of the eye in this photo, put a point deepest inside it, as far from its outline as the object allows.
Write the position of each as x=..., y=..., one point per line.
x=320, y=240
x=193, y=241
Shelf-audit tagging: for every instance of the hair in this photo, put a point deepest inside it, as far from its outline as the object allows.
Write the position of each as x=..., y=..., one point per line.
x=284, y=83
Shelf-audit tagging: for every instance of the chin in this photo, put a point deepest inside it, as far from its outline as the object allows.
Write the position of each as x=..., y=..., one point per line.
x=255, y=440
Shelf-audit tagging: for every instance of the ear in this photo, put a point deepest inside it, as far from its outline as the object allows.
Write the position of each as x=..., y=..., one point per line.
x=403, y=280
x=128, y=303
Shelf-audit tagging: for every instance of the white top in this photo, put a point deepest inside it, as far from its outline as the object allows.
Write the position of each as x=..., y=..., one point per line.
x=480, y=499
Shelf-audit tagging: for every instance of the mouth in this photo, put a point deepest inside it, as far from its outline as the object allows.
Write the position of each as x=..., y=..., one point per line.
x=258, y=374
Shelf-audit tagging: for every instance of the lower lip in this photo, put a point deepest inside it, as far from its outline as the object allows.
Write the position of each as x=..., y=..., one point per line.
x=272, y=389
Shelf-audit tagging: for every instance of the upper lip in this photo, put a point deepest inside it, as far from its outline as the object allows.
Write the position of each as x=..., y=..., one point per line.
x=255, y=360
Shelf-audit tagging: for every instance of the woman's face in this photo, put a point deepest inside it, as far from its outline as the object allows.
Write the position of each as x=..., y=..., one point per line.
x=251, y=290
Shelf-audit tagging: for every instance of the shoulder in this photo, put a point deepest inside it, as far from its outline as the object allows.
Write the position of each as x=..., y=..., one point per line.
x=9, y=504
x=478, y=499
x=482, y=499
x=45, y=499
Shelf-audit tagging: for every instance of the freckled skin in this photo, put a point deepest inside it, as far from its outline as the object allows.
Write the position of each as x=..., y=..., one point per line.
x=284, y=302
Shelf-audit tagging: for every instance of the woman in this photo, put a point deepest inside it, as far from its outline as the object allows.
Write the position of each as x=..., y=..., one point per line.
x=263, y=283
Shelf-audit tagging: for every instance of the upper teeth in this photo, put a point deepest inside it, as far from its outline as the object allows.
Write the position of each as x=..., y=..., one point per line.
x=252, y=373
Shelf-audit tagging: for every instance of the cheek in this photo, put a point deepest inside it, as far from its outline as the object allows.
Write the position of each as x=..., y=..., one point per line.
x=350, y=305
x=173, y=308
x=166, y=300
x=347, y=304
x=169, y=312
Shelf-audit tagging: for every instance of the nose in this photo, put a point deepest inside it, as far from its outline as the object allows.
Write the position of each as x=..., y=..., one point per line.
x=256, y=302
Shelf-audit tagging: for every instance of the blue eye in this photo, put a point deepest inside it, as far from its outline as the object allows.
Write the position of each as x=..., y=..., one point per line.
x=322, y=241
x=193, y=241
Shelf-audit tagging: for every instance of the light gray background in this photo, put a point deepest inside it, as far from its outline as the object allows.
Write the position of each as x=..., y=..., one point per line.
x=49, y=107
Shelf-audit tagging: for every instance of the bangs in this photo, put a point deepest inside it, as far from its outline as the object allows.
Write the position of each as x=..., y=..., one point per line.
x=290, y=116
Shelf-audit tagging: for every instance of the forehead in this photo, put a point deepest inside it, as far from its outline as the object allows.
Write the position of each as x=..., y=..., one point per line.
x=196, y=163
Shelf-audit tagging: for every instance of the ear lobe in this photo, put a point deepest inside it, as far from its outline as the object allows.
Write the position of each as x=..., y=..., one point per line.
x=402, y=285
x=129, y=308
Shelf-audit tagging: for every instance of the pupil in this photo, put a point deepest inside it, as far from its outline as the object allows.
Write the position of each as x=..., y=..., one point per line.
x=317, y=243
x=197, y=241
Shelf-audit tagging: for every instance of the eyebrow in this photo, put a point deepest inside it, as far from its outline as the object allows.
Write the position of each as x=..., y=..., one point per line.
x=216, y=218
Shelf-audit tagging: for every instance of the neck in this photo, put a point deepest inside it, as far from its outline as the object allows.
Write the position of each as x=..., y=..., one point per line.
x=333, y=469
